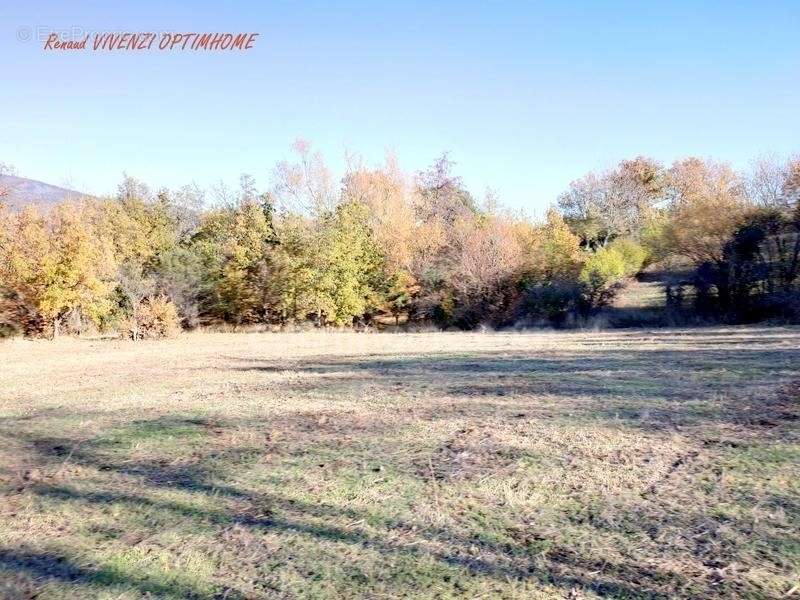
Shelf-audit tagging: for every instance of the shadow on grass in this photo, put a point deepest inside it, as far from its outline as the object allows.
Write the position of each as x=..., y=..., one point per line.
x=49, y=567
x=226, y=506
x=259, y=513
x=638, y=388
x=564, y=569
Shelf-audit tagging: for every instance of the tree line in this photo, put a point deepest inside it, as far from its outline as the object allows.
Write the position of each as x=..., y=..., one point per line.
x=383, y=246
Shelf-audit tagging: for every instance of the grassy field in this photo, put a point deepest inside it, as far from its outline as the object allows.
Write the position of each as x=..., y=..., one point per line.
x=624, y=464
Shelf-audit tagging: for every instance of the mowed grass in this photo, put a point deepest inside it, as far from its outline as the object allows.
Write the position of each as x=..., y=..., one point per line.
x=624, y=464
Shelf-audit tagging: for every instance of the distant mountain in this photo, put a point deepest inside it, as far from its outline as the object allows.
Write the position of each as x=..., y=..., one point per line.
x=17, y=192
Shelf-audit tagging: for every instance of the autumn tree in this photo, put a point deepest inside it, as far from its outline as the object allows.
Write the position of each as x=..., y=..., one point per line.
x=560, y=249
x=440, y=201
x=441, y=195
x=185, y=208
x=774, y=183
x=139, y=225
x=388, y=197
x=383, y=242
x=707, y=203
x=615, y=203
x=487, y=263
x=136, y=287
x=56, y=265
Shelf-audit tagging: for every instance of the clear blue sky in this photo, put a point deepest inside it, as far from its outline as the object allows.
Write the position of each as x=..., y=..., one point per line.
x=527, y=96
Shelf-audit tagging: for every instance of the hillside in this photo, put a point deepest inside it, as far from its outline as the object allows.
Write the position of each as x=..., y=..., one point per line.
x=20, y=191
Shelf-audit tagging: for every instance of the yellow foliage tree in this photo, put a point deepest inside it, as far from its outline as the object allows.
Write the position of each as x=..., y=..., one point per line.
x=56, y=264
x=560, y=247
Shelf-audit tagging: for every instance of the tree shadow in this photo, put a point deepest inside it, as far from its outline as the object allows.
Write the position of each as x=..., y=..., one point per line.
x=272, y=511
x=563, y=568
x=48, y=567
x=641, y=387
x=633, y=388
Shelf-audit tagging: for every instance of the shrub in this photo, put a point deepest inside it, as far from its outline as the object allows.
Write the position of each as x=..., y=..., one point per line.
x=155, y=318
x=781, y=307
x=655, y=238
x=601, y=274
x=634, y=256
x=18, y=317
x=604, y=269
x=553, y=302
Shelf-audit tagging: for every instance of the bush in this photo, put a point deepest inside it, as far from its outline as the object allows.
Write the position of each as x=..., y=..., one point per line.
x=604, y=270
x=155, y=318
x=601, y=274
x=655, y=238
x=781, y=307
x=17, y=317
x=554, y=303
x=634, y=256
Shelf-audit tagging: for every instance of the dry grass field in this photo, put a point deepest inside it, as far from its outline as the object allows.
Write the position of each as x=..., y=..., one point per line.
x=623, y=464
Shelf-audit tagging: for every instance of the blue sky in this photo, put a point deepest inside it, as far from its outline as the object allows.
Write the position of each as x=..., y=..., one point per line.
x=526, y=96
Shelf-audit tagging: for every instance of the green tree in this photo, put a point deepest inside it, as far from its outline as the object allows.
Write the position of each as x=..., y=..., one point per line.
x=233, y=244
x=351, y=265
x=601, y=273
